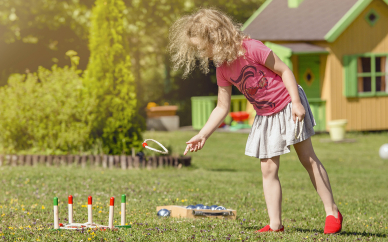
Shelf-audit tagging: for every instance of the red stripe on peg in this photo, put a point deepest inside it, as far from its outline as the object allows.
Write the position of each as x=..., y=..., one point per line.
x=112, y=201
x=90, y=200
x=70, y=199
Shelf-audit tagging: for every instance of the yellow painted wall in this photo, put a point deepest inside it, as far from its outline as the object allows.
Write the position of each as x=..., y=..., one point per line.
x=367, y=113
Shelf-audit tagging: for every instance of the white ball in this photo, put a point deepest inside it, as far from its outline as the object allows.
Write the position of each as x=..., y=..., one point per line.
x=383, y=152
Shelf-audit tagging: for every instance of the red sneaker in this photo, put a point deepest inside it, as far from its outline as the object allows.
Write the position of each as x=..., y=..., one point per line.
x=333, y=225
x=268, y=229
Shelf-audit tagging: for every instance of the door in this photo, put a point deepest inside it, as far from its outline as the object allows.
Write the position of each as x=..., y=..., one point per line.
x=309, y=75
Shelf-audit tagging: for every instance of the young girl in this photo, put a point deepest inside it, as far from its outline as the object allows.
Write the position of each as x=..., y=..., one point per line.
x=270, y=86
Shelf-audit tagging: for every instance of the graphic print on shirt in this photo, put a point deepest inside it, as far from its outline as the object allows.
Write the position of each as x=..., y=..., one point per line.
x=254, y=85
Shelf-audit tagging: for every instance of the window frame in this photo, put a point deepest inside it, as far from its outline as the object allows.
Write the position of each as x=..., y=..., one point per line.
x=350, y=72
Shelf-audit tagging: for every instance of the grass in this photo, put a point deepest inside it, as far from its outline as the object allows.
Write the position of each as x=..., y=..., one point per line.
x=220, y=174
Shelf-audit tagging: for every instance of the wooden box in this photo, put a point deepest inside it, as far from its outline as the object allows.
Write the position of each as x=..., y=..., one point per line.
x=183, y=212
x=160, y=111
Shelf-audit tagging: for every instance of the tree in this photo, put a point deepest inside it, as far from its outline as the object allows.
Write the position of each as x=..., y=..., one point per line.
x=110, y=81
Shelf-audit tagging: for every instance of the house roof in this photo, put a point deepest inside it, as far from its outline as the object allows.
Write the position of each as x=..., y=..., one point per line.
x=304, y=48
x=287, y=50
x=311, y=20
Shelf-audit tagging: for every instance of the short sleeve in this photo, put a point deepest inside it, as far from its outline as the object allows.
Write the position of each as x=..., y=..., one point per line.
x=258, y=51
x=221, y=80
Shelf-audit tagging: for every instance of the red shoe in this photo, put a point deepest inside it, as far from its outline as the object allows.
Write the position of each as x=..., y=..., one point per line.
x=268, y=229
x=333, y=225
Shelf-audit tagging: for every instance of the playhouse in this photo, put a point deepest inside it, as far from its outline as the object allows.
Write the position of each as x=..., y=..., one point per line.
x=338, y=51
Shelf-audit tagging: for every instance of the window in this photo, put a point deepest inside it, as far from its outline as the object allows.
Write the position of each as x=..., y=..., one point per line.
x=366, y=75
x=308, y=77
x=371, y=17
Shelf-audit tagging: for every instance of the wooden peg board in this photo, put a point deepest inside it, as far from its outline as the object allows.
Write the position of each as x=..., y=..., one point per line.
x=183, y=212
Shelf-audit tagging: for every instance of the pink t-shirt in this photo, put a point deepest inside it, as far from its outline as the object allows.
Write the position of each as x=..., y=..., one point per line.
x=263, y=88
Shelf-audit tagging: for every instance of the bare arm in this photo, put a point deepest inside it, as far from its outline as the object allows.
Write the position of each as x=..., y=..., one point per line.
x=276, y=65
x=217, y=116
x=219, y=113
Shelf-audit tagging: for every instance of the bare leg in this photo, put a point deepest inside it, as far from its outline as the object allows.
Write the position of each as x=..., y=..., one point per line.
x=272, y=191
x=318, y=175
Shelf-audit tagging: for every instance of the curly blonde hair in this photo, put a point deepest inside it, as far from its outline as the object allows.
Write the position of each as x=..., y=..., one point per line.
x=213, y=31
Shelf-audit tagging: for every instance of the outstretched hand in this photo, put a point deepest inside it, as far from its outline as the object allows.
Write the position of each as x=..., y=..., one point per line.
x=194, y=144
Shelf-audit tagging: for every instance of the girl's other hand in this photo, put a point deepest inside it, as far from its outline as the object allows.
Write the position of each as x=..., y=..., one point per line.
x=195, y=143
x=298, y=111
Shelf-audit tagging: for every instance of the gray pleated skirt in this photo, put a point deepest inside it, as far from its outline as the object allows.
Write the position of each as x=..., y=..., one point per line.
x=272, y=135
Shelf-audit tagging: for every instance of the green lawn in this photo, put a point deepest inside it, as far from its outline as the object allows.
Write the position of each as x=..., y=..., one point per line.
x=220, y=174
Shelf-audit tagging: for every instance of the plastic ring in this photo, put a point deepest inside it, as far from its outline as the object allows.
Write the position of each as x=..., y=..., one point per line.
x=300, y=128
x=145, y=145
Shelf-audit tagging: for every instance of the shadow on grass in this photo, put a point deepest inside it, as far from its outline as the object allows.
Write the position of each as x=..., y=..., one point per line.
x=254, y=227
x=365, y=234
x=191, y=167
x=223, y=170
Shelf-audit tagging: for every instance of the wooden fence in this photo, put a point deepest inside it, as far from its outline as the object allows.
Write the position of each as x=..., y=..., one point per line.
x=105, y=161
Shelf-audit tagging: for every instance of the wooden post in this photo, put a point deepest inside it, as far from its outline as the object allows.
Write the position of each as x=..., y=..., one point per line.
x=76, y=160
x=91, y=160
x=144, y=162
x=83, y=161
x=21, y=160
x=63, y=160
x=14, y=160
x=55, y=160
x=129, y=162
x=49, y=160
x=97, y=160
x=176, y=161
x=42, y=159
x=136, y=162
x=154, y=161
x=105, y=161
x=166, y=161
x=111, y=161
x=123, y=161
x=117, y=161
x=35, y=160
x=28, y=160
x=7, y=160
x=69, y=160
x=149, y=162
x=161, y=158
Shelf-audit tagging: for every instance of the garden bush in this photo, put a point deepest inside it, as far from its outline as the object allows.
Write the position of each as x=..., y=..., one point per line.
x=63, y=110
x=46, y=111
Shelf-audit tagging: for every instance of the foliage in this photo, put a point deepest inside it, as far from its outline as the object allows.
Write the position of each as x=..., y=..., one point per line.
x=37, y=33
x=221, y=175
x=43, y=30
x=20, y=17
x=55, y=26
x=46, y=111
x=111, y=82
